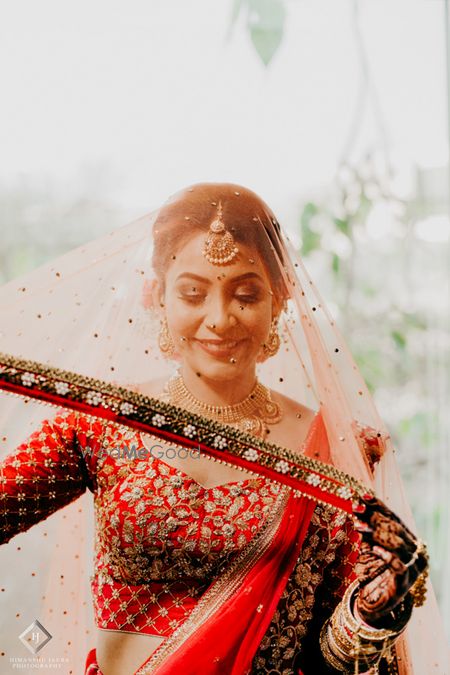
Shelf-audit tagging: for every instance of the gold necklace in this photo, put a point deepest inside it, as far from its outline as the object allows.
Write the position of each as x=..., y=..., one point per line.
x=250, y=415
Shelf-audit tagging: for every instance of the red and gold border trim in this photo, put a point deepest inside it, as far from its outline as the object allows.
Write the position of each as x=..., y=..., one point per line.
x=306, y=476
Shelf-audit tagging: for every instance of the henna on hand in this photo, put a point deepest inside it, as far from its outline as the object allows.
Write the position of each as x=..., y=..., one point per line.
x=388, y=565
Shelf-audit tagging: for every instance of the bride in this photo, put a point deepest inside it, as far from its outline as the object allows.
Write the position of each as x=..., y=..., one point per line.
x=211, y=557
x=219, y=323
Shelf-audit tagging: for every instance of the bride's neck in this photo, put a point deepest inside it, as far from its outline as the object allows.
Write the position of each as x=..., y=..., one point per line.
x=218, y=392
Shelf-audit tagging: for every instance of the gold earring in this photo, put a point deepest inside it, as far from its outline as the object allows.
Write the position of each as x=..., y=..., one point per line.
x=272, y=345
x=165, y=340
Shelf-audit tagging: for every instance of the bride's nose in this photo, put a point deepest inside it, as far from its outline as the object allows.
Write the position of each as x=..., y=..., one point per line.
x=219, y=317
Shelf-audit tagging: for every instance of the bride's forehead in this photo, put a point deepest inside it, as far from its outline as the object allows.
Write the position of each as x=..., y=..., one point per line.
x=189, y=258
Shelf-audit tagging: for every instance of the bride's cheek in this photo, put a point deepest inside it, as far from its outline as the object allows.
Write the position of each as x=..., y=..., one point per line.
x=184, y=318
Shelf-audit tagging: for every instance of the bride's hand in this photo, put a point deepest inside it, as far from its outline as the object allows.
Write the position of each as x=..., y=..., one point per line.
x=389, y=562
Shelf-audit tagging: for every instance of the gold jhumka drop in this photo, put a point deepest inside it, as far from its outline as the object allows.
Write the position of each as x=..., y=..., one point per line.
x=250, y=415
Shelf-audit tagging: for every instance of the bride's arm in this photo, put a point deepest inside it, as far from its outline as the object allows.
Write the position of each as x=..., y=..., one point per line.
x=52, y=468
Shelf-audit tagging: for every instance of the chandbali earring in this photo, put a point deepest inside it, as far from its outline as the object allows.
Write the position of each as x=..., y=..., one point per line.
x=165, y=340
x=272, y=344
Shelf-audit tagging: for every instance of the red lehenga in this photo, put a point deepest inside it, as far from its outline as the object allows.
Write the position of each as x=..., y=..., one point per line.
x=169, y=552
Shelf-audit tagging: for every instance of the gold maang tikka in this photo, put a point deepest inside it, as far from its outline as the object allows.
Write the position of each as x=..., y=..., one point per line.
x=219, y=247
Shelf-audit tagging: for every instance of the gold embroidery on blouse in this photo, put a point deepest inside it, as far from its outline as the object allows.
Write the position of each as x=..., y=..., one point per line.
x=227, y=523
x=225, y=585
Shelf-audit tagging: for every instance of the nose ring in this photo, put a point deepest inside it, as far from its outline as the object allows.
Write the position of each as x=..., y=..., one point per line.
x=210, y=325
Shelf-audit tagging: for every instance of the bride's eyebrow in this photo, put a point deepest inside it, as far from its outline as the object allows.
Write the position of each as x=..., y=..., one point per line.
x=241, y=277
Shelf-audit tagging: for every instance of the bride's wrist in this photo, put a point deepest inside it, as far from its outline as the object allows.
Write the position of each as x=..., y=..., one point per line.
x=394, y=619
x=368, y=618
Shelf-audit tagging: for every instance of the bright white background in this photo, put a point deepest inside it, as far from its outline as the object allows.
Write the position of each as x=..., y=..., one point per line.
x=130, y=102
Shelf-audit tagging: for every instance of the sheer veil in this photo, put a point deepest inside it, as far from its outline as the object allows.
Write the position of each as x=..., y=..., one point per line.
x=92, y=312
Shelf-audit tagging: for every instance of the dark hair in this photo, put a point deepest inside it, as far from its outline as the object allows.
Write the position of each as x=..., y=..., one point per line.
x=246, y=215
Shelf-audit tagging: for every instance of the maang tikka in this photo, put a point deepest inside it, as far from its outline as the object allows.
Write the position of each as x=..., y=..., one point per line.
x=219, y=247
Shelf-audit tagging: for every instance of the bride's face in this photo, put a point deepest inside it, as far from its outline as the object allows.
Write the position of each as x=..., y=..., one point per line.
x=218, y=316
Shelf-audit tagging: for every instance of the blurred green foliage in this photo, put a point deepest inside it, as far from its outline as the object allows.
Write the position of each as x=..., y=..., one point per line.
x=382, y=280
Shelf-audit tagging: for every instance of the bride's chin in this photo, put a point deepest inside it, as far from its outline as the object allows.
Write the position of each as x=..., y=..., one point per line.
x=216, y=369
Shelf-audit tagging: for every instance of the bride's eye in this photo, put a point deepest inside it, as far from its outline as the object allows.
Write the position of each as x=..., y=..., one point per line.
x=191, y=295
x=191, y=298
x=194, y=295
x=248, y=295
x=247, y=298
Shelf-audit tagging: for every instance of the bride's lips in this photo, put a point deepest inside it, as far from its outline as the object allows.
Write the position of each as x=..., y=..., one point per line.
x=219, y=347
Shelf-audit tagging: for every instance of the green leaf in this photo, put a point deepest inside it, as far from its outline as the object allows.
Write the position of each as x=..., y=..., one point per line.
x=309, y=210
x=368, y=290
x=336, y=264
x=266, y=25
x=365, y=206
x=415, y=320
x=310, y=239
x=343, y=226
x=399, y=339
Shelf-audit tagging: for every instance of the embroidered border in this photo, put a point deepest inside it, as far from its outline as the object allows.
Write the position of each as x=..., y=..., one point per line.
x=306, y=476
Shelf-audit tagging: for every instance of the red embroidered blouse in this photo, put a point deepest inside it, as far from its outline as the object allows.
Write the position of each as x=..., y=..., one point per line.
x=161, y=537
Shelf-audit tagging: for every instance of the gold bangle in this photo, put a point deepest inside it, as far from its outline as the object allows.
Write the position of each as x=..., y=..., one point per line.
x=344, y=651
x=364, y=630
x=329, y=656
x=350, y=640
x=342, y=661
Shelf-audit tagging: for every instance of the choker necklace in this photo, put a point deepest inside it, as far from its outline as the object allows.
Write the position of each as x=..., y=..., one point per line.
x=250, y=415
